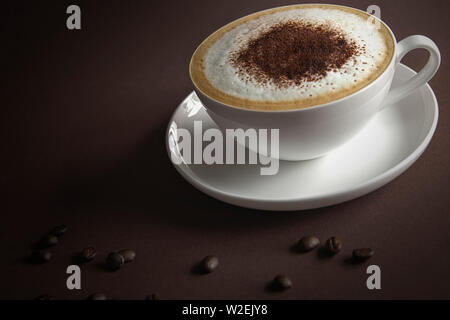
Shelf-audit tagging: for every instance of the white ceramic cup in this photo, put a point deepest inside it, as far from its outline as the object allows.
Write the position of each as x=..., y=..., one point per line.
x=315, y=131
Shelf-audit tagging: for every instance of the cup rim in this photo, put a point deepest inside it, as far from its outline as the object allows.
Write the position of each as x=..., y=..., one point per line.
x=366, y=87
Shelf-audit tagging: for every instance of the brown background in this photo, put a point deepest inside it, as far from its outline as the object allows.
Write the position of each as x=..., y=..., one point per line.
x=83, y=121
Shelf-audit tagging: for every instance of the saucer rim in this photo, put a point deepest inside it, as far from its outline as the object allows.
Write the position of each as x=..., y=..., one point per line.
x=354, y=191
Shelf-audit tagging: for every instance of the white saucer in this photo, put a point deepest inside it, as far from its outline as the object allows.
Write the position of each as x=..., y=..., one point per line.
x=383, y=150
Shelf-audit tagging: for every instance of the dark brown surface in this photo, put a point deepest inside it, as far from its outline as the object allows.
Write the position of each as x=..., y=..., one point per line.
x=83, y=121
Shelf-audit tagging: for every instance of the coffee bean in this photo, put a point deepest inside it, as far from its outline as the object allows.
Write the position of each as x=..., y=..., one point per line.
x=308, y=243
x=115, y=261
x=152, y=296
x=333, y=245
x=48, y=241
x=41, y=256
x=97, y=296
x=362, y=254
x=209, y=264
x=88, y=253
x=128, y=255
x=58, y=231
x=281, y=282
x=43, y=297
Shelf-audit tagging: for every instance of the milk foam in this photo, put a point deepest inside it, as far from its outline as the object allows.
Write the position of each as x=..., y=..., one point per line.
x=223, y=75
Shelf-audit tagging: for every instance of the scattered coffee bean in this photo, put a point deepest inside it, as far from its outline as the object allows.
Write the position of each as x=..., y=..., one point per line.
x=308, y=243
x=333, y=245
x=58, y=231
x=209, y=264
x=362, y=254
x=128, y=255
x=41, y=256
x=281, y=282
x=43, y=297
x=152, y=296
x=115, y=261
x=97, y=296
x=48, y=241
x=88, y=253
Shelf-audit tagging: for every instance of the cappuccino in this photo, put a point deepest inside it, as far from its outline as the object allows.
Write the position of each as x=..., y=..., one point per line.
x=292, y=57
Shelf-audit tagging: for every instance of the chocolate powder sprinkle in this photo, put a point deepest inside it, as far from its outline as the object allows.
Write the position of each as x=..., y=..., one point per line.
x=290, y=53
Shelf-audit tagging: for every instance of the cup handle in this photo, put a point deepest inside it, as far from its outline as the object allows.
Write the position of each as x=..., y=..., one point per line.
x=424, y=75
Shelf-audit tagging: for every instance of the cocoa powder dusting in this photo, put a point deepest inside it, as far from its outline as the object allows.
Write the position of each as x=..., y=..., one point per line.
x=292, y=53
